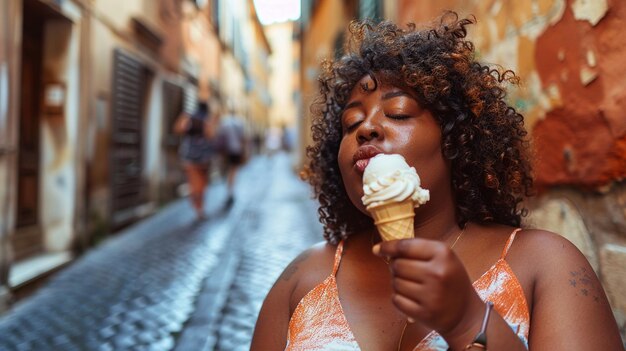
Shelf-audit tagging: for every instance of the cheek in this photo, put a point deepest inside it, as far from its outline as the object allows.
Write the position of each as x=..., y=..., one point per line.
x=424, y=153
x=436, y=173
x=342, y=159
x=352, y=181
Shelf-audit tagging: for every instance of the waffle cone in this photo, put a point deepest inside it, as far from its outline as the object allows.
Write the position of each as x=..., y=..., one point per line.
x=394, y=220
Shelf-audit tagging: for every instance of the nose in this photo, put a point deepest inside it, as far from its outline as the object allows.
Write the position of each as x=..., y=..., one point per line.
x=370, y=129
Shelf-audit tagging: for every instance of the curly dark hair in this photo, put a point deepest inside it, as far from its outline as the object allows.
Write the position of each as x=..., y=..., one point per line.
x=482, y=136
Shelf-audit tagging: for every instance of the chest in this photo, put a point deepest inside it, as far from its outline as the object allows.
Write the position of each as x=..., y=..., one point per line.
x=358, y=300
x=375, y=323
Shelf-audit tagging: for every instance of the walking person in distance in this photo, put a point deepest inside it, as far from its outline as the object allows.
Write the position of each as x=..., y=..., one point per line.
x=197, y=151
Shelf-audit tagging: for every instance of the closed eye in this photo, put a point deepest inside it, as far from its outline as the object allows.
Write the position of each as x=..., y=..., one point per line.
x=351, y=120
x=352, y=126
x=398, y=116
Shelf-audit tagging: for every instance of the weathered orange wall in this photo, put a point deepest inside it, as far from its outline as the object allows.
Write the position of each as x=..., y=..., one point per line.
x=584, y=140
x=573, y=93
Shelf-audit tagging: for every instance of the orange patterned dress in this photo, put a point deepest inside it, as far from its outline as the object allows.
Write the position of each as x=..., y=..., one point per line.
x=318, y=323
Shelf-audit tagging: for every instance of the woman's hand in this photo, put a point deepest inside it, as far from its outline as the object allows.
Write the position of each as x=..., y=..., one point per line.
x=431, y=285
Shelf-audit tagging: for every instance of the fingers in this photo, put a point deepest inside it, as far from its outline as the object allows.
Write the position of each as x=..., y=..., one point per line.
x=407, y=287
x=427, y=278
x=407, y=306
x=409, y=269
x=415, y=300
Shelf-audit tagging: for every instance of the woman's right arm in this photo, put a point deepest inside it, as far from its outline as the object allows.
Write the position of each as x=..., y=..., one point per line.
x=270, y=332
x=302, y=274
x=182, y=124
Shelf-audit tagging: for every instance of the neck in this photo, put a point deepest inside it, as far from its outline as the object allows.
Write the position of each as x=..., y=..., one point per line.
x=436, y=220
x=432, y=225
x=436, y=227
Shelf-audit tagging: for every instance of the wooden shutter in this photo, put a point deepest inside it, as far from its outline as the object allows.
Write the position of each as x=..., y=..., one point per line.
x=130, y=82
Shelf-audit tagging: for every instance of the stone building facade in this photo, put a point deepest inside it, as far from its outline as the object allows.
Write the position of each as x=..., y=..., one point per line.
x=89, y=91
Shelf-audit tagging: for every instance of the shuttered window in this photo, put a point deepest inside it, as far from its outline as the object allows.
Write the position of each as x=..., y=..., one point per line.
x=130, y=85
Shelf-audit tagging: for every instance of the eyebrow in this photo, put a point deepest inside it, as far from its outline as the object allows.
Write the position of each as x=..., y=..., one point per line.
x=352, y=104
x=394, y=94
x=387, y=96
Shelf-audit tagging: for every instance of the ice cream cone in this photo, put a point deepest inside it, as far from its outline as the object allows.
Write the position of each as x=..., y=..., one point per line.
x=394, y=220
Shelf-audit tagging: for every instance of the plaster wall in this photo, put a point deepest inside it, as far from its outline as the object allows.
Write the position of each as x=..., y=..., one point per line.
x=202, y=47
x=283, y=110
x=117, y=12
x=328, y=21
x=59, y=136
x=153, y=135
x=232, y=83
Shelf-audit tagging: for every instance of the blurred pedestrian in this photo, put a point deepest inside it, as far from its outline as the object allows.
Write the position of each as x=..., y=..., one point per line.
x=257, y=141
x=273, y=141
x=288, y=138
x=196, y=151
x=233, y=146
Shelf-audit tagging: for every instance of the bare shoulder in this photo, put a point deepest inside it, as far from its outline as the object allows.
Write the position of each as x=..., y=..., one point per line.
x=540, y=256
x=546, y=252
x=570, y=310
x=307, y=270
x=308, y=264
x=308, y=260
x=558, y=265
x=271, y=328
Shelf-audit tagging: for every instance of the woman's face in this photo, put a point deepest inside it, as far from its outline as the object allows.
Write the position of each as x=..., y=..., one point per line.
x=389, y=120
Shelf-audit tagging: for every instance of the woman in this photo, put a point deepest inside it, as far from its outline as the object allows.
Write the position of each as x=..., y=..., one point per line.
x=196, y=151
x=470, y=279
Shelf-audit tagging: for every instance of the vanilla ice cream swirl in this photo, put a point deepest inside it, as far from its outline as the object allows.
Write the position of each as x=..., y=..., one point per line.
x=388, y=178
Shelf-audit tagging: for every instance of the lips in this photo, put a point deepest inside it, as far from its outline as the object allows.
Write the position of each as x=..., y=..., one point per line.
x=362, y=156
x=361, y=164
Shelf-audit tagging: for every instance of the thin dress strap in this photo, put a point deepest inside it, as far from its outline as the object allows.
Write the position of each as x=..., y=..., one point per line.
x=338, y=254
x=509, y=242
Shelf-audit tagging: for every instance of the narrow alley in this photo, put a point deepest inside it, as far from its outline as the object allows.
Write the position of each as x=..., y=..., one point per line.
x=172, y=283
x=124, y=122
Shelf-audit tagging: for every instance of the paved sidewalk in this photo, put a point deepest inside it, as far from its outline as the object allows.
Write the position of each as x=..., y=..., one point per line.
x=172, y=283
x=272, y=235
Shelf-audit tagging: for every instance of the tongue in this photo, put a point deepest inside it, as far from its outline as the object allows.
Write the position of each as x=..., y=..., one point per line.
x=361, y=164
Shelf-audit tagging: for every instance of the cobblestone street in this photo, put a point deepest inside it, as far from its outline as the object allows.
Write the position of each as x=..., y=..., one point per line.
x=170, y=283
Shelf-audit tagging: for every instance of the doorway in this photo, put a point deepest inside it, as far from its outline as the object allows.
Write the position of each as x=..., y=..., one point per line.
x=27, y=240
